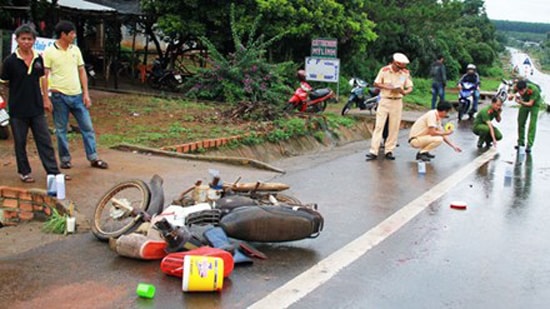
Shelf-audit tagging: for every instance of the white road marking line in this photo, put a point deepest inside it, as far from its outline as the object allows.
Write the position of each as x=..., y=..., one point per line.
x=317, y=275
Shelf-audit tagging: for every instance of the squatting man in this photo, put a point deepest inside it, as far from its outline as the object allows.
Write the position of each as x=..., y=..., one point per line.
x=427, y=132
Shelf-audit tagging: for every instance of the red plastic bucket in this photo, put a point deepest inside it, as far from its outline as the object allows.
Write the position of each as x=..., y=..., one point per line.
x=172, y=264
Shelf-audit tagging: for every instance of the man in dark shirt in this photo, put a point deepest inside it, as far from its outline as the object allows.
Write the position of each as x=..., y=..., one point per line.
x=21, y=73
x=439, y=80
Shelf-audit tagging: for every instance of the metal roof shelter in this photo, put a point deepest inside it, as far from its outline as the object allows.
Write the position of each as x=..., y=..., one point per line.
x=123, y=7
x=84, y=5
x=102, y=15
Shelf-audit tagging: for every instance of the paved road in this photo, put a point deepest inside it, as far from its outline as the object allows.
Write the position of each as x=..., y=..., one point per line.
x=390, y=239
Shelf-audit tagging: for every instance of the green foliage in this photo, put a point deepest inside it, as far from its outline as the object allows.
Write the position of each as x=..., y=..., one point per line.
x=319, y=136
x=286, y=129
x=518, y=26
x=335, y=121
x=56, y=223
x=493, y=71
x=458, y=30
x=345, y=20
x=243, y=75
x=422, y=92
x=252, y=138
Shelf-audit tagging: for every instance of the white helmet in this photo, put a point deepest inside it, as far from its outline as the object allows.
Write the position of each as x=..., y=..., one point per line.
x=471, y=67
x=399, y=57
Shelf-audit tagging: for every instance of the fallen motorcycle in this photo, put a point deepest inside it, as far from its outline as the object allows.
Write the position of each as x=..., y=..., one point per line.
x=247, y=211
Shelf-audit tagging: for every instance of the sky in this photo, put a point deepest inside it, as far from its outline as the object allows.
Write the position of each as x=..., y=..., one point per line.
x=519, y=10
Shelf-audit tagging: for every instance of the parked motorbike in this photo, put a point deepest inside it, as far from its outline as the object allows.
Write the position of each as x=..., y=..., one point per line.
x=503, y=89
x=465, y=99
x=306, y=99
x=162, y=78
x=4, y=120
x=362, y=96
x=315, y=103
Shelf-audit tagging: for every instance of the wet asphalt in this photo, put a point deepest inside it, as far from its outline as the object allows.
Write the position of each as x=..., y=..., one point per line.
x=492, y=255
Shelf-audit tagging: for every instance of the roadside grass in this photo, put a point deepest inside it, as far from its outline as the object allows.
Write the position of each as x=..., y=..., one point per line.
x=157, y=122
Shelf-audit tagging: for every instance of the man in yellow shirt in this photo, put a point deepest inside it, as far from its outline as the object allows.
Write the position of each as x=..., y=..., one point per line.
x=427, y=133
x=68, y=84
x=394, y=82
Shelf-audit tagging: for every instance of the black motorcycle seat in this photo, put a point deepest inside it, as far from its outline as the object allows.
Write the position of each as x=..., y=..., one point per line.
x=317, y=93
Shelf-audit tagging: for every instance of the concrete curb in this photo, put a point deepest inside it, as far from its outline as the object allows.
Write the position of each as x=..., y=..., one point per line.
x=228, y=160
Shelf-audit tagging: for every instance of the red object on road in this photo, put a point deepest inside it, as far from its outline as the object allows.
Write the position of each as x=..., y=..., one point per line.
x=459, y=205
x=172, y=264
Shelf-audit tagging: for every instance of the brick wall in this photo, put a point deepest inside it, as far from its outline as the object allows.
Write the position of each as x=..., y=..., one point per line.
x=204, y=144
x=19, y=205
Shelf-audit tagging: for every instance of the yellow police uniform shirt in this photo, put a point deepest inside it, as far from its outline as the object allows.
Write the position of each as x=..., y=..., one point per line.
x=64, y=66
x=387, y=76
x=421, y=125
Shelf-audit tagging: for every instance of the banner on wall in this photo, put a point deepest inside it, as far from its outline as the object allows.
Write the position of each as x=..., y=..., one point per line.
x=40, y=44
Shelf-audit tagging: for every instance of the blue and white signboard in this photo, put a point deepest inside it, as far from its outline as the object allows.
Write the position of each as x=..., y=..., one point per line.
x=322, y=69
x=39, y=45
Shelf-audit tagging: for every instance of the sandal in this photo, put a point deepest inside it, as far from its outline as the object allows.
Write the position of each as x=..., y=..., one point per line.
x=100, y=164
x=26, y=178
x=66, y=165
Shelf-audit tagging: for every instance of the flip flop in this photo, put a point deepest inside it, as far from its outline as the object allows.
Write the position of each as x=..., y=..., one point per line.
x=99, y=164
x=26, y=178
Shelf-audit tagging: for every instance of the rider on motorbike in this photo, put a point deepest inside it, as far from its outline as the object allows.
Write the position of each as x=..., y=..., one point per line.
x=471, y=76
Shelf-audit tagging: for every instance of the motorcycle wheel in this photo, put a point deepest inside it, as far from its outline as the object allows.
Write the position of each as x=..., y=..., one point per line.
x=112, y=221
x=462, y=109
x=4, y=133
x=288, y=108
x=347, y=107
x=320, y=107
x=281, y=198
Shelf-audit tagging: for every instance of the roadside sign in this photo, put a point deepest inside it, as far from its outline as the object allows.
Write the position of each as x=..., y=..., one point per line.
x=324, y=48
x=322, y=69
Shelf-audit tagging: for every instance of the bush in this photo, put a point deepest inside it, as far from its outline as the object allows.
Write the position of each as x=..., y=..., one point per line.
x=422, y=92
x=244, y=75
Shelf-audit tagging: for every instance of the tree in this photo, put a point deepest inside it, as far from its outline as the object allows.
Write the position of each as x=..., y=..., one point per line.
x=301, y=20
x=243, y=75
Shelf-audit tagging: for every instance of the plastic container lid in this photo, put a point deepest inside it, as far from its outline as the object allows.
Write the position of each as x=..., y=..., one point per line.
x=145, y=290
x=459, y=205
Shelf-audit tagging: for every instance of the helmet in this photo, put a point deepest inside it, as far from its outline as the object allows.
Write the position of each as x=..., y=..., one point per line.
x=471, y=67
x=399, y=57
x=301, y=74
